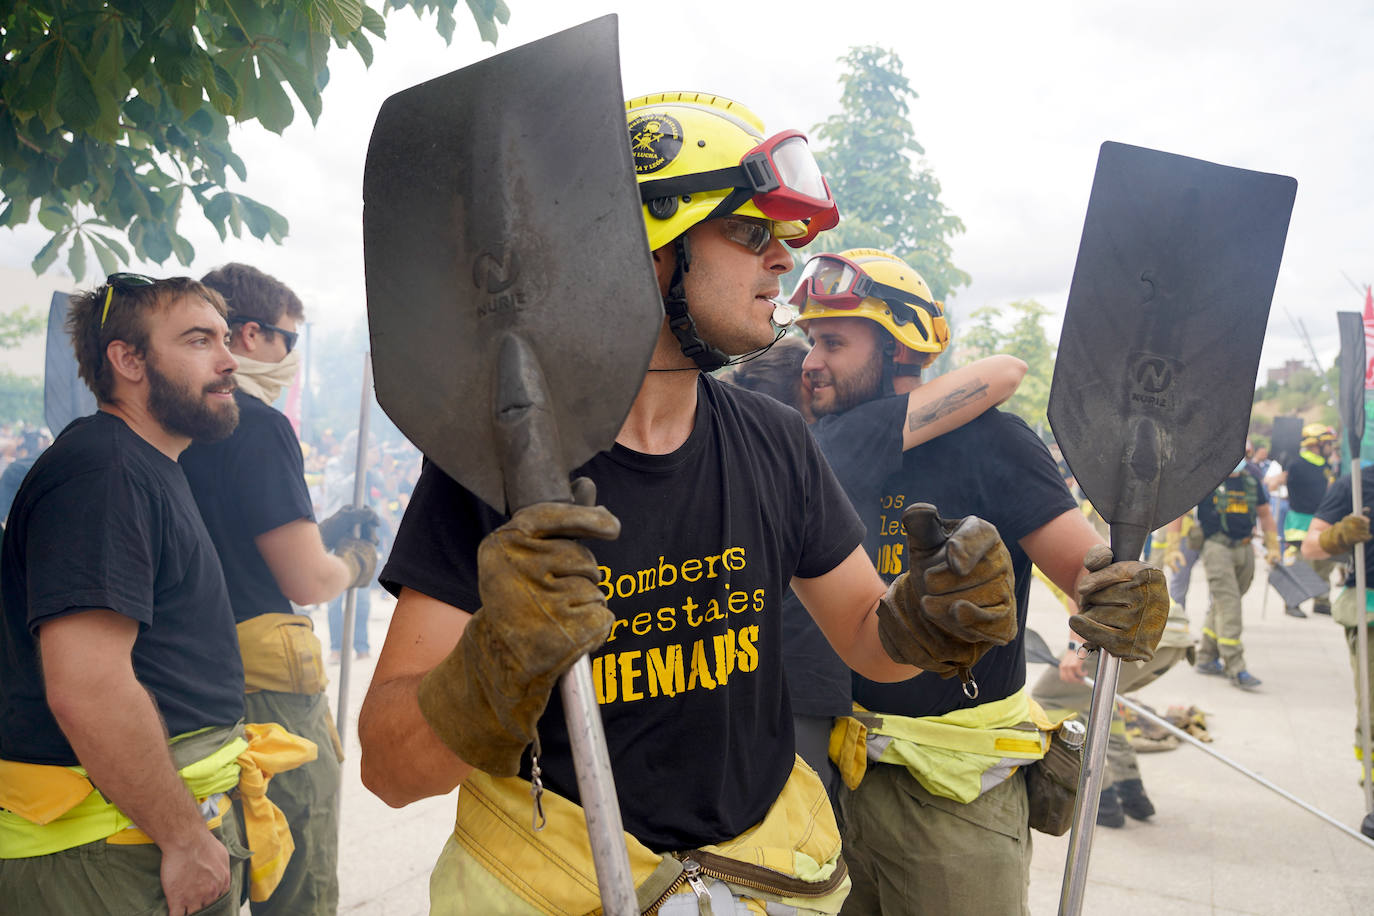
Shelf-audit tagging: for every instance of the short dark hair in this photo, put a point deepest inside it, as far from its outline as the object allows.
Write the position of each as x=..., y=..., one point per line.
x=253, y=295
x=776, y=372
x=92, y=327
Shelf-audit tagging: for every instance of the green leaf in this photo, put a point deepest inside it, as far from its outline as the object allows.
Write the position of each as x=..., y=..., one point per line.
x=225, y=83
x=347, y=14
x=153, y=242
x=54, y=217
x=363, y=46
x=373, y=22
x=255, y=215
x=108, y=262
x=300, y=78
x=76, y=258
x=73, y=170
x=271, y=105
x=43, y=260
x=35, y=80
x=446, y=24
x=183, y=250
x=115, y=246
x=140, y=112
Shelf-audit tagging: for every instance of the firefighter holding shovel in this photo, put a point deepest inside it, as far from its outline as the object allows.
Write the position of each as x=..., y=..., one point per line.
x=712, y=501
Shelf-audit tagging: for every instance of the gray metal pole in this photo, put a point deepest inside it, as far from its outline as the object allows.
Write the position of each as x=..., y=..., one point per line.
x=1089, y=787
x=596, y=787
x=350, y=604
x=1184, y=736
x=1362, y=639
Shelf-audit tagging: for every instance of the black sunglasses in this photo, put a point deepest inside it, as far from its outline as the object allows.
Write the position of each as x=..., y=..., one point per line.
x=122, y=282
x=290, y=337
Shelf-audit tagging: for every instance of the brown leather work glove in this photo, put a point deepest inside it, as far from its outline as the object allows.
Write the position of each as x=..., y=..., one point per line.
x=541, y=611
x=1345, y=534
x=1122, y=606
x=361, y=557
x=955, y=601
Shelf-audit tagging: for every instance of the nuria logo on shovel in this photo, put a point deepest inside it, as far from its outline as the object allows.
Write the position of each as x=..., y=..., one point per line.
x=1152, y=376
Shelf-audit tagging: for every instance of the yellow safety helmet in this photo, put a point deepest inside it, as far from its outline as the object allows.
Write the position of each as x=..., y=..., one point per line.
x=1314, y=433
x=873, y=284
x=699, y=155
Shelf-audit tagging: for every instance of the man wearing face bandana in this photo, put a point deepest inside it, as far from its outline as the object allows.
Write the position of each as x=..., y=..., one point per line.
x=252, y=494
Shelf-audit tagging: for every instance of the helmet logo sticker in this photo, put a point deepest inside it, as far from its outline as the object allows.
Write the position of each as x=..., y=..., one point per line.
x=655, y=141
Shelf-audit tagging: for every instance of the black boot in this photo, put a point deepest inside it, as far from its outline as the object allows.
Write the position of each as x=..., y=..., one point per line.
x=1367, y=826
x=1134, y=801
x=1109, y=813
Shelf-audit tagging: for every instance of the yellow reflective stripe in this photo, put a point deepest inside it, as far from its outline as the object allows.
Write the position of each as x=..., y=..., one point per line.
x=1208, y=631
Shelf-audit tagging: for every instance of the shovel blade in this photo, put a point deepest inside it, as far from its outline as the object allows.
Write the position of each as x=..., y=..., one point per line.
x=1162, y=333
x=1352, y=378
x=1297, y=582
x=498, y=201
x=1287, y=439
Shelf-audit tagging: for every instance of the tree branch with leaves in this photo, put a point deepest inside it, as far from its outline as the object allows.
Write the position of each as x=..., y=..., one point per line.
x=115, y=113
x=889, y=199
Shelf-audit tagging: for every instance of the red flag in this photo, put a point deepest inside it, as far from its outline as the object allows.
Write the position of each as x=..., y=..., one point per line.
x=1369, y=337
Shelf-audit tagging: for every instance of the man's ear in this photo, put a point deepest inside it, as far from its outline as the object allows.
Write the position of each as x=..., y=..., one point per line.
x=664, y=259
x=248, y=337
x=127, y=362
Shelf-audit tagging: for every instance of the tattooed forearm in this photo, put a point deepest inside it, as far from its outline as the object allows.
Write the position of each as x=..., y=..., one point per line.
x=976, y=390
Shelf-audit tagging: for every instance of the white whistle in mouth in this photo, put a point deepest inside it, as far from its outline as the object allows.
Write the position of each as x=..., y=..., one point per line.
x=783, y=316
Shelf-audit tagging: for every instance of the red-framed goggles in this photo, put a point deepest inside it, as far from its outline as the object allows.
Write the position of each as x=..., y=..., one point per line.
x=780, y=176
x=836, y=282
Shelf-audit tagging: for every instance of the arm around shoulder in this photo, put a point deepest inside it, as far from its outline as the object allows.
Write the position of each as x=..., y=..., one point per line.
x=955, y=398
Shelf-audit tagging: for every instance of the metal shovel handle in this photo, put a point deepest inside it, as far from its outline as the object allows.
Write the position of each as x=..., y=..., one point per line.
x=530, y=460
x=1127, y=542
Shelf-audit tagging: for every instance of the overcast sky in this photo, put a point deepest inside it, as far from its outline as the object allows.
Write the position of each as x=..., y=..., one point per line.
x=1015, y=99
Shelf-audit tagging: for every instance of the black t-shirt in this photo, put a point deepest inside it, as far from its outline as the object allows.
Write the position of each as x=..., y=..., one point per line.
x=1306, y=485
x=1238, y=499
x=1339, y=502
x=711, y=535
x=105, y=520
x=864, y=447
x=247, y=485
x=994, y=467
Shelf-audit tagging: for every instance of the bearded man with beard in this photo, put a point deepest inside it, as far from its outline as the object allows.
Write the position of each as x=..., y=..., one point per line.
x=111, y=580
x=251, y=491
x=936, y=817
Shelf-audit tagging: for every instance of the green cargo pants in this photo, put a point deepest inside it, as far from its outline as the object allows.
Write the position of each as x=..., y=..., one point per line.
x=1230, y=568
x=104, y=879
x=308, y=796
x=911, y=853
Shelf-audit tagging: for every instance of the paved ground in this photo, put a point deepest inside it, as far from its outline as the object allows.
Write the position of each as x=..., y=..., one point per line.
x=1220, y=844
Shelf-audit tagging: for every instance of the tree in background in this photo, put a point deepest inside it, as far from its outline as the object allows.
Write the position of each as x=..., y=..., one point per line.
x=113, y=111
x=21, y=396
x=1024, y=337
x=888, y=198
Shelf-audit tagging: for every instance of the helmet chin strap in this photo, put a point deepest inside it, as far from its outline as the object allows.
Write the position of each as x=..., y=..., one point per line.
x=684, y=328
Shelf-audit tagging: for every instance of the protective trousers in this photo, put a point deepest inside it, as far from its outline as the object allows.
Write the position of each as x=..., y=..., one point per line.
x=110, y=879
x=308, y=797
x=1346, y=612
x=1053, y=693
x=1230, y=568
x=911, y=853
